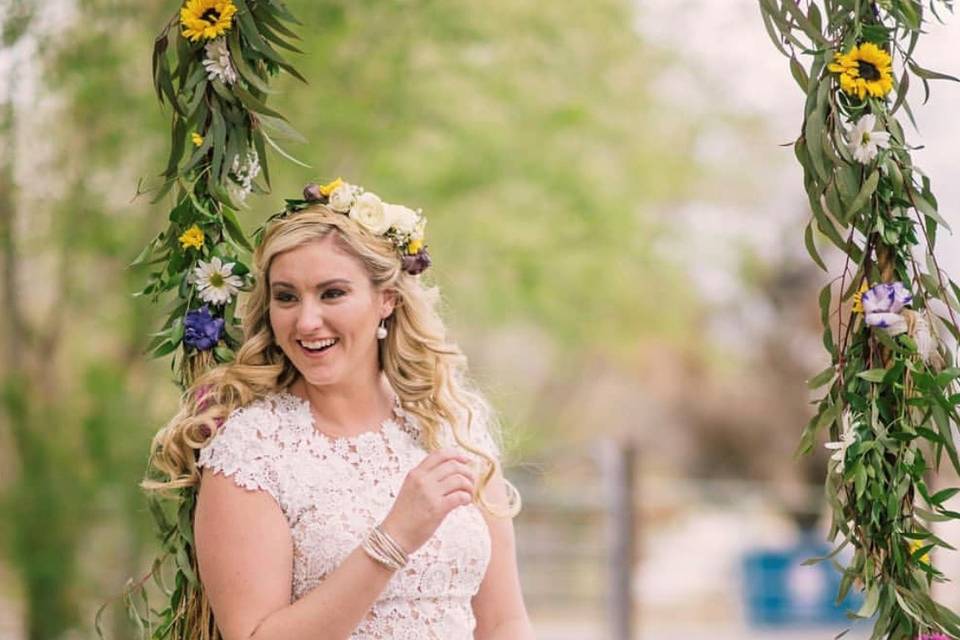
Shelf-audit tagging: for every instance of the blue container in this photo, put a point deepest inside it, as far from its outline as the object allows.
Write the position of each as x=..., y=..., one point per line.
x=781, y=592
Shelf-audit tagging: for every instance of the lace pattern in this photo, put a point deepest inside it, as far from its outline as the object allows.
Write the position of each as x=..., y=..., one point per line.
x=334, y=490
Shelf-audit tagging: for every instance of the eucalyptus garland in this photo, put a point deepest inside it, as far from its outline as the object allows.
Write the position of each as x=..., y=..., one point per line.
x=212, y=66
x=890, y=394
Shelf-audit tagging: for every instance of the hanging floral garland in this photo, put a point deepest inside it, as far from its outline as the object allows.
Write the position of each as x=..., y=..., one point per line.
x=891, y=398
x=212, y=64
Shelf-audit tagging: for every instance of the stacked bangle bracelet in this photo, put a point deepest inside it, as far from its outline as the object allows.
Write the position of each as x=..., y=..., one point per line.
x=380, y=546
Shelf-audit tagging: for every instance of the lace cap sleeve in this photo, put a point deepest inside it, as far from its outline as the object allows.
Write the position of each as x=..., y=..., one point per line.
x=245, y=448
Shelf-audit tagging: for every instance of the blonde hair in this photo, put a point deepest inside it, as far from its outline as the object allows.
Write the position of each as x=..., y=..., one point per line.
x=427, y=371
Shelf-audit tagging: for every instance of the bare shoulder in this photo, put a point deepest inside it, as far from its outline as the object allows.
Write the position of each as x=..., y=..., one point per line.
x=244, y=552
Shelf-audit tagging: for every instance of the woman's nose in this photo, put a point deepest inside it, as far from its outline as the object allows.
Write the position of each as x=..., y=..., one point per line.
x=310, y=318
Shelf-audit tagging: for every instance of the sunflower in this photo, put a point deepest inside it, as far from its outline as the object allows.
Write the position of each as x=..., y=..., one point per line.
x=865, y=69
x=915, y=546
x=206, y=18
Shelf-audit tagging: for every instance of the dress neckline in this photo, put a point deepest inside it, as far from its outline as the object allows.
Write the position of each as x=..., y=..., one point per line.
x=310, y=421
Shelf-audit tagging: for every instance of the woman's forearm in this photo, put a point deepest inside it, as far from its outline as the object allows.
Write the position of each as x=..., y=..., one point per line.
x=334, y=608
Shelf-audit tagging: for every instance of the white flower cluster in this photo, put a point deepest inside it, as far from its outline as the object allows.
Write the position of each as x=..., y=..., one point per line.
x=243, y=174
x=218, y=63
x=402, y=224
x=847, y=437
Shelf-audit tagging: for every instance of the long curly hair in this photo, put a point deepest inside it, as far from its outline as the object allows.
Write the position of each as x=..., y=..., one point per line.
x=426, y=370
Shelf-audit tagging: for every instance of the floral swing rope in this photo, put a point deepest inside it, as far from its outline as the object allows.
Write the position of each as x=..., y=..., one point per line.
x=891, y=398
x=215, y=77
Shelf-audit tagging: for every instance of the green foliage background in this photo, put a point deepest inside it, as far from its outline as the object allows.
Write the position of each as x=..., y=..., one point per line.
x=525, y=130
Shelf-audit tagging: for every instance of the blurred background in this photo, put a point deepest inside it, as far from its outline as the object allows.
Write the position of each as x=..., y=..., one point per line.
x=618, y=236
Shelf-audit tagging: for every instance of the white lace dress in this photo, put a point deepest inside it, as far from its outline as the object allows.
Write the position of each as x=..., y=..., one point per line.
x=334, y=490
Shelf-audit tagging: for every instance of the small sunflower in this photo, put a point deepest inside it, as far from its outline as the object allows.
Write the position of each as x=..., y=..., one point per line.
x=865, y=69
x=914, y=546
x=414, y=246
x=192, y=237
x=858, y=298
x=196, y=138
x=207, y=19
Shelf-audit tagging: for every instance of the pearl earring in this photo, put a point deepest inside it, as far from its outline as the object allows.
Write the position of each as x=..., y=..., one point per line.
x=382, y=329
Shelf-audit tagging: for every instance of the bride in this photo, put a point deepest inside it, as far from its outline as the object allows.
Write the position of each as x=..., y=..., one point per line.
x=349, y=476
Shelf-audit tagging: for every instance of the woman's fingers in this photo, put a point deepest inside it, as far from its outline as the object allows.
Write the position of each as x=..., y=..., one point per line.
x=455, y=499
x=454, y=466
x=456, y=482
x=440, y=456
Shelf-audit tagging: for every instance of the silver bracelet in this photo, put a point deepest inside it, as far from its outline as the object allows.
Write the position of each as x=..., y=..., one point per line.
x=380, y=546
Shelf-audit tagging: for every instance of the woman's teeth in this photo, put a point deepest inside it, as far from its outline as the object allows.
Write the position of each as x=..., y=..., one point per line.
x=319, y=345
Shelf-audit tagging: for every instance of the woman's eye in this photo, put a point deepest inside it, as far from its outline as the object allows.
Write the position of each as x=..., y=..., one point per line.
x=334, y=293
x=283, y=297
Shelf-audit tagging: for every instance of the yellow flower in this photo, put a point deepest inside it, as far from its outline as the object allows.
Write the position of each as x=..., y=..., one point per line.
x=327, y=189
x=414, y=246
x=858, y=298
x=916, y=544
x=192, y=237
x=197, y=139
x=865, y=69
x=207, y=19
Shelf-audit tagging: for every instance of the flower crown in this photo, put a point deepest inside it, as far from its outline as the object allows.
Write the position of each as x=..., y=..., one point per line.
x=401, y=225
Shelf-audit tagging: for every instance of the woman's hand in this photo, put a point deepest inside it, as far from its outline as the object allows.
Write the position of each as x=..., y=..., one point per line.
x=441, y=482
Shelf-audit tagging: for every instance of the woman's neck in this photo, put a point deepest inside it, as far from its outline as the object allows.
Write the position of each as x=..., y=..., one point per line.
x=346, y=410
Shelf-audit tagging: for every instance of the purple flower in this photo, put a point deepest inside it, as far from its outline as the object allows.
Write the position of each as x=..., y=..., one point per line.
x=933, y=636
x=416, y=263
x=886, y=297
x=201, y=330
x=882, y=305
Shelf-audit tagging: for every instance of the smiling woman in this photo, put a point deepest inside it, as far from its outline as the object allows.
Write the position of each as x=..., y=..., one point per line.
x=349, y=472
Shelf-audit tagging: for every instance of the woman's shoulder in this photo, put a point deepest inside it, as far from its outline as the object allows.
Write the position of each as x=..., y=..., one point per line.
x=264, y=417
x=250, y=444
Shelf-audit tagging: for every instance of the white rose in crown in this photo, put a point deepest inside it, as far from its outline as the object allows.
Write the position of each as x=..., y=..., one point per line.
x=369, y=212
x=403, y=219
x=341, y=198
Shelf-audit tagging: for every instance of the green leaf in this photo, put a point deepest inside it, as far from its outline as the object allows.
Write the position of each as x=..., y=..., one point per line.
x=232, y=225
x=942, y=496
x=254, y=104
x=799, y=73
x=812, y=247
x=236, y=55
x=870, y=602
x=925, y=207
x=866, y=191
x=822, y=378
x=873, y=375
x=277, y=148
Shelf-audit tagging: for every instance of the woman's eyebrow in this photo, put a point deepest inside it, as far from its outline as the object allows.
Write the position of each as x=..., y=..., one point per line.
x=321, y=285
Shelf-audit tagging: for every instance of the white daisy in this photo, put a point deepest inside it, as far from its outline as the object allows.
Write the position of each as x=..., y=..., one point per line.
x=864, y=142
x=215, y=281
x=847, y=438
x=218, y=64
